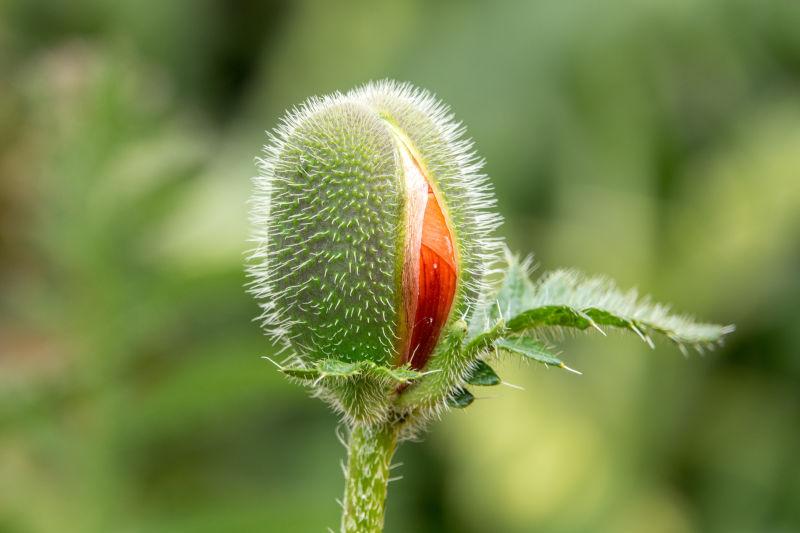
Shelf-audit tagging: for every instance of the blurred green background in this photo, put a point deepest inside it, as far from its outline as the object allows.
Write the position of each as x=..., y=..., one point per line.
x=657, y=142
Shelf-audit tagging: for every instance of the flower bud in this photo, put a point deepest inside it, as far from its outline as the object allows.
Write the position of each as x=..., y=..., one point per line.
x=373, y=227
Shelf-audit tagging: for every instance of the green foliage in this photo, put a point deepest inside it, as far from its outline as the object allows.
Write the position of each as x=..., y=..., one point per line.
x=567, y=299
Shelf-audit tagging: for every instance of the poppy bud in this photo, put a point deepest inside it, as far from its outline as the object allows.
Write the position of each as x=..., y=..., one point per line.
x=373, y=227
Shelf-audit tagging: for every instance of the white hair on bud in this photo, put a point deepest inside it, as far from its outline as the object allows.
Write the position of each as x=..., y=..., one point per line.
x=327, y=209
x=456, y=170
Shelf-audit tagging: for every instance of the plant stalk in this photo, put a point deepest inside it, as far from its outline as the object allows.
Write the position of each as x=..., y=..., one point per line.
x=369, y=455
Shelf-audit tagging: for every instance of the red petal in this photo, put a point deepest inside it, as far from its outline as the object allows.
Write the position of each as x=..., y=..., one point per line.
x=437, y=284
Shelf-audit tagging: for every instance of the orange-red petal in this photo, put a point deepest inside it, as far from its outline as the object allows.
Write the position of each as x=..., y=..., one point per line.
x=436, y=284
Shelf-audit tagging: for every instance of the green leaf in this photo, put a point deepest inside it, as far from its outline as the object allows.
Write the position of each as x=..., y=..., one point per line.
x=549, y=315
x=511, y=298
x=483, y=375
x=532, y=349
x=567, y=299
x=460, y=398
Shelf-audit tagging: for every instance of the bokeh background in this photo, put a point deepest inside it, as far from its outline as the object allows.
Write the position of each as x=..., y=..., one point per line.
x=657, y=142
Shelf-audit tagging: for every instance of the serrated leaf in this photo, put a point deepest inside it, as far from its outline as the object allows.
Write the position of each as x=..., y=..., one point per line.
x=530, y=348
x=568, y=299
x=483, y=375
x=460, y=398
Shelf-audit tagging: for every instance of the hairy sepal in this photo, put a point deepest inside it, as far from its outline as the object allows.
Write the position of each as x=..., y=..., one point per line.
x=328, y=214
x=455, y=171
x=328, y=218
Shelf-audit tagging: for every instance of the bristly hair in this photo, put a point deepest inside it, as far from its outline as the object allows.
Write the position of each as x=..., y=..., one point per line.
x=289, y=304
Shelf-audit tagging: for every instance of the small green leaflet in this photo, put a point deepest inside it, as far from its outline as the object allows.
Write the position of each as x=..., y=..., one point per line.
x=460, y=398
x=483, y=375
x=334, y=368
x=532, y=349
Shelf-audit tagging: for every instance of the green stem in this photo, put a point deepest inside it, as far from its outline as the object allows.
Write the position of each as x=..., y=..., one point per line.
x=370, y=453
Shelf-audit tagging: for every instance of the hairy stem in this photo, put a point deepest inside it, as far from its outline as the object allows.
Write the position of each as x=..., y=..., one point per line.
x=370, y=452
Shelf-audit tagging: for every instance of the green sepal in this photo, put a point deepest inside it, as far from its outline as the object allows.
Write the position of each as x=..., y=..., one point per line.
x=460, y=398
x=482, y=375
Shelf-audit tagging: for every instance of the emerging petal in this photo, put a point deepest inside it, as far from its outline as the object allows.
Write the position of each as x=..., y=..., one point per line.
x=430, y=271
